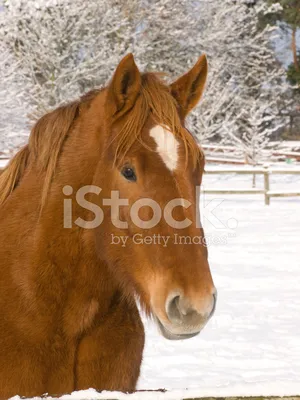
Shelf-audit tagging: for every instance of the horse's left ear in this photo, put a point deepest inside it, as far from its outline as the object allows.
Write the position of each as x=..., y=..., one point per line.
x=188, y=89
x=124, y=87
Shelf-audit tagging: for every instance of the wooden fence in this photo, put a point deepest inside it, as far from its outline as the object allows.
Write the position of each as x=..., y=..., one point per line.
x=266, y=190
x=232, y=155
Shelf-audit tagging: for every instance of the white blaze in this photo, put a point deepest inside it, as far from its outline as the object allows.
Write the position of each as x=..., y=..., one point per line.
x=167, y=146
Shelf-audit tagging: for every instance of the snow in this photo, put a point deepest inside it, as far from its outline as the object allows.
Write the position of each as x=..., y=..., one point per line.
x=92, y=394
x=3, y=163
x=251, y=346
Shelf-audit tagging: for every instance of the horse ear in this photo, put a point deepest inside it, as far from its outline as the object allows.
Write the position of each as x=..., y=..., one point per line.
x=124, y=87
x=188, y=89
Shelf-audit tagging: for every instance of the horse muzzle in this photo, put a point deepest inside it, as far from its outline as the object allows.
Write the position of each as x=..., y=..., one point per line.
x=182, y=319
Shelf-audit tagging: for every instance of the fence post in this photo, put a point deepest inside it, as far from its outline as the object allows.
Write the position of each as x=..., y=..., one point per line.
x=267, y=185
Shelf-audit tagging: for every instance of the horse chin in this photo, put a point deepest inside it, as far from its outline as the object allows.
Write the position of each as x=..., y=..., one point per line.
x=167, y=334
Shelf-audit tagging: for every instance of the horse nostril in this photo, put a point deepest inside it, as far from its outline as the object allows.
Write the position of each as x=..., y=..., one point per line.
x=172, y=309
x=180, y=310
x=214, y=304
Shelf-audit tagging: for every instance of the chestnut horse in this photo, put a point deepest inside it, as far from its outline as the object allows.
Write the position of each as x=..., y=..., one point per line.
x=69, y=290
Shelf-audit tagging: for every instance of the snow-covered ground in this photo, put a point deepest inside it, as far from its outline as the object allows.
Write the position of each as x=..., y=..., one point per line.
x=252, y=344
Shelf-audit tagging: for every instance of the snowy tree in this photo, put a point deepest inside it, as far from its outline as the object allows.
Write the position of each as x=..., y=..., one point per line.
x=285, y=14
x=244, y=77
x=288, y=12
x=13, y=110
x=258, y=82
x=61, y=49
x=55, y=51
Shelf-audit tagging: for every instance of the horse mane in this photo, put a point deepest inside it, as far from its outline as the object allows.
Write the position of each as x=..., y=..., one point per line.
x=45, y=144
x=12, y=174
x=48, y=135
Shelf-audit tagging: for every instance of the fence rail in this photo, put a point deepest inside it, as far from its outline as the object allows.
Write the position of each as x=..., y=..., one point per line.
x=266, y=172
x=232, y=155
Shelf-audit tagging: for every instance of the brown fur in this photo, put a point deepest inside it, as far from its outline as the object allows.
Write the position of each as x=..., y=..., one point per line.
x=68, y=316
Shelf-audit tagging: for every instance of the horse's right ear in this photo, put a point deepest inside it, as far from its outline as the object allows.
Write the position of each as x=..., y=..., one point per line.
x=124, y=87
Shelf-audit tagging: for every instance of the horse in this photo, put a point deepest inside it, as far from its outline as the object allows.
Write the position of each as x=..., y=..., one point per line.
x=74, y=277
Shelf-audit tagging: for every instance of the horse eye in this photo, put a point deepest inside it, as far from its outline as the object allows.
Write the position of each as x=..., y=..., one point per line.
x=129, y=174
